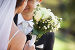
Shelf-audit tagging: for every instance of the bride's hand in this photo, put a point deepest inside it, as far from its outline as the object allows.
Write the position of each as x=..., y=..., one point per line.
x=27, y=47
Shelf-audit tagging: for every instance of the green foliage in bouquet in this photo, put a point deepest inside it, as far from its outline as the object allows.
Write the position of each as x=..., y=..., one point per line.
x=45, y=21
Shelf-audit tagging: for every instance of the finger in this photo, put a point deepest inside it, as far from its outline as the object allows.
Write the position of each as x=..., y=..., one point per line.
x=33, y=46
x=28, y=41
x=27, y=44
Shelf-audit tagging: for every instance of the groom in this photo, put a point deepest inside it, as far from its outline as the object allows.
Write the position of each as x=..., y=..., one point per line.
x=26, y=17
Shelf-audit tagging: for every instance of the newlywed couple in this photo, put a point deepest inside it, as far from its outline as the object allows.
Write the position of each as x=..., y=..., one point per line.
x=11, y=35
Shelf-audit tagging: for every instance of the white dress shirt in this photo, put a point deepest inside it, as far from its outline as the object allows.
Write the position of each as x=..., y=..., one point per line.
x=27, y=27
x=23, y=25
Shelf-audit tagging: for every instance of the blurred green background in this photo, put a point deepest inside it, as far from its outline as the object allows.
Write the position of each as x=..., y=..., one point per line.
x=65, y=37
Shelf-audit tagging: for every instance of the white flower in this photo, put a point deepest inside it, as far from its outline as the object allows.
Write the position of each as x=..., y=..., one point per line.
x=45, y=27
x=38, y=15
x=43, y=13
x=46, y=16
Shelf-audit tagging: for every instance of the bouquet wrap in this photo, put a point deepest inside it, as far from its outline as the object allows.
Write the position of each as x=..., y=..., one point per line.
x=32, y=41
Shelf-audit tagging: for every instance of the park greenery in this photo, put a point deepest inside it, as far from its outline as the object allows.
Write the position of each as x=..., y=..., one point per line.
x=65, y=9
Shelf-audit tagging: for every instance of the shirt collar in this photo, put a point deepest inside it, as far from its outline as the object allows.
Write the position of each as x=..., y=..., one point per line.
x=20, y=19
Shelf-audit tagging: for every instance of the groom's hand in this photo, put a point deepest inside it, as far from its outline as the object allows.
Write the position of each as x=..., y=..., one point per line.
x=27, y=47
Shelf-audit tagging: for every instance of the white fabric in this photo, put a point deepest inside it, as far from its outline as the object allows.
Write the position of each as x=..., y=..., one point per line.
x=25, y=26
x=32, y=41
x=7, y=9
x=20, y=19
x=40, y=46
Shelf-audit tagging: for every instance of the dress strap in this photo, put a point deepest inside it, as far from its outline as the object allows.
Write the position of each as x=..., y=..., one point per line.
x=14, y=35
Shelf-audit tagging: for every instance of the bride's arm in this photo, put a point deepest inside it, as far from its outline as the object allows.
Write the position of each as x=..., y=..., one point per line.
x=17, y=43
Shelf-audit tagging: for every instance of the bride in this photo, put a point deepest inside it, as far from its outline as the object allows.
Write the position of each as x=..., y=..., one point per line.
x=11, y=38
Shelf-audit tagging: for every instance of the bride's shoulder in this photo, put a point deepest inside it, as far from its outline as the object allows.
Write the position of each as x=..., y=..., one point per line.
x=17, y=42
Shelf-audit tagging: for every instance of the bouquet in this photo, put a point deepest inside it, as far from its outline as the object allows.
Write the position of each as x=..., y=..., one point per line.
x=44, y=21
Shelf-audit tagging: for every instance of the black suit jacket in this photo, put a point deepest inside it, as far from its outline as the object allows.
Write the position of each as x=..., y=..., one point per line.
x=16, y=19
